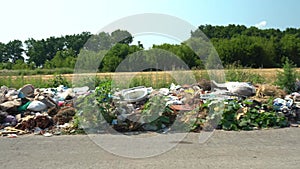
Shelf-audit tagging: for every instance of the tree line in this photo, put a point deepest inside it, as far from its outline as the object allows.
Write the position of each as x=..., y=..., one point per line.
x=249, y=46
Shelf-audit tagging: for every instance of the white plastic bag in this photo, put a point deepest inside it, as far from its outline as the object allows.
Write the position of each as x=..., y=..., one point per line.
x=36, y=106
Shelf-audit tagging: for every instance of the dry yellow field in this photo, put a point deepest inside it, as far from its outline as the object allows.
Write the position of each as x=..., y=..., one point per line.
x=269, y=74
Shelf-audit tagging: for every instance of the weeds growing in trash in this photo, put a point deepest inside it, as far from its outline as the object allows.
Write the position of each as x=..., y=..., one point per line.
x=98, y=111
x=95, y=110
x=246, y=115
x=156, y=113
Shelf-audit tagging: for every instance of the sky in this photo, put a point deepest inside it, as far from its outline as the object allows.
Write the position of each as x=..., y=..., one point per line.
x=38, y=19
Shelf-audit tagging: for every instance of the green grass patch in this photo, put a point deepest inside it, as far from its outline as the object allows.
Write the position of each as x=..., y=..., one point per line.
x=37, y=71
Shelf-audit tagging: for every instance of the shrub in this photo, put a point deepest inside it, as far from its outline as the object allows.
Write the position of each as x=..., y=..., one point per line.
x=59, y=80
x=286, y=79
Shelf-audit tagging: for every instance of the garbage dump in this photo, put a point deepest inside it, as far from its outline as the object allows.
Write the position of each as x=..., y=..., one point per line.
x=33, y=110
x=53, y=111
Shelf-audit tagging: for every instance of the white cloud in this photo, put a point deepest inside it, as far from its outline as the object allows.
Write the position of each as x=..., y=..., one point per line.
x=261, y=24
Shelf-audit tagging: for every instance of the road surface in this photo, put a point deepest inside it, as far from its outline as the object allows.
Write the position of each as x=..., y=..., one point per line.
x=274, y=148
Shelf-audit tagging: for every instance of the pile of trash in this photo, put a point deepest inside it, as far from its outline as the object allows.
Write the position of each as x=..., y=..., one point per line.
x=44, y=111
x=146, y=109
x=51, y=111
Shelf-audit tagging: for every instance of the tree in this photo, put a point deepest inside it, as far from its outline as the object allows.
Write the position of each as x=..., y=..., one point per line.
x=182, y=51
x=116, y=54
x=3, y=53
x=14, y=50
x=76, y=42
x=62, y=59
x=290, y=46
x=121, y=36
x=36, y=51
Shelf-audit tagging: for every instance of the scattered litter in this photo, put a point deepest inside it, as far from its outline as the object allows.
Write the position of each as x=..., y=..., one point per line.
x=135, y=94
x=37, y=131
x=27, y=90
x=36, y=106
x=48, y=135
x=12, y=136
x=51, y=111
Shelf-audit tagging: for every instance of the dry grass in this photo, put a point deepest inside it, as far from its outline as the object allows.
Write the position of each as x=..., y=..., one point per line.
x=267, y=73
x=167, y=76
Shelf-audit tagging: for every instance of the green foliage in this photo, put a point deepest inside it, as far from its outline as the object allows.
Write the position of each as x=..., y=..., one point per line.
x=59, y=80
x=287, y=79
x=250, y=117
x=62, y=59
x=30, y=71
x=14, y=50
x=103, y=96
x=251, y=46
x=88, y=115
x=95, y=111
x=155, y=112
x=39, y=51
x=20, y=64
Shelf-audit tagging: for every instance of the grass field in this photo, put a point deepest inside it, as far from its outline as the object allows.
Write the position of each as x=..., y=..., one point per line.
x=155, y=79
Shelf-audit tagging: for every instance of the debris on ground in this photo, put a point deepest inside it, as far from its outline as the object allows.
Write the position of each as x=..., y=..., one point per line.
x=54, y=111
x=38, y=111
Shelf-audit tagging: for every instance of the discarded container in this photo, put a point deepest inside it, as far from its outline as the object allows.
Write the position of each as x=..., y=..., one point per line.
x=135, y=94
x=27, y=90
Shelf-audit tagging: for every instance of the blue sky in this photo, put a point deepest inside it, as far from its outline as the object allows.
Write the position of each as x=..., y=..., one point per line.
x=22, y=19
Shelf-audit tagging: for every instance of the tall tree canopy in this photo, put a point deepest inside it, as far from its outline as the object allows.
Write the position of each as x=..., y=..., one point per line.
x=249, y=46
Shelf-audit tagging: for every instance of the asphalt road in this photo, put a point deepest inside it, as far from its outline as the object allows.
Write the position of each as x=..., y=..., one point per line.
x=275, y=148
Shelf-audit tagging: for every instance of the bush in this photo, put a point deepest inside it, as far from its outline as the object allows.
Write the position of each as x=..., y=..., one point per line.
x=59, y=80
x=287, y=79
